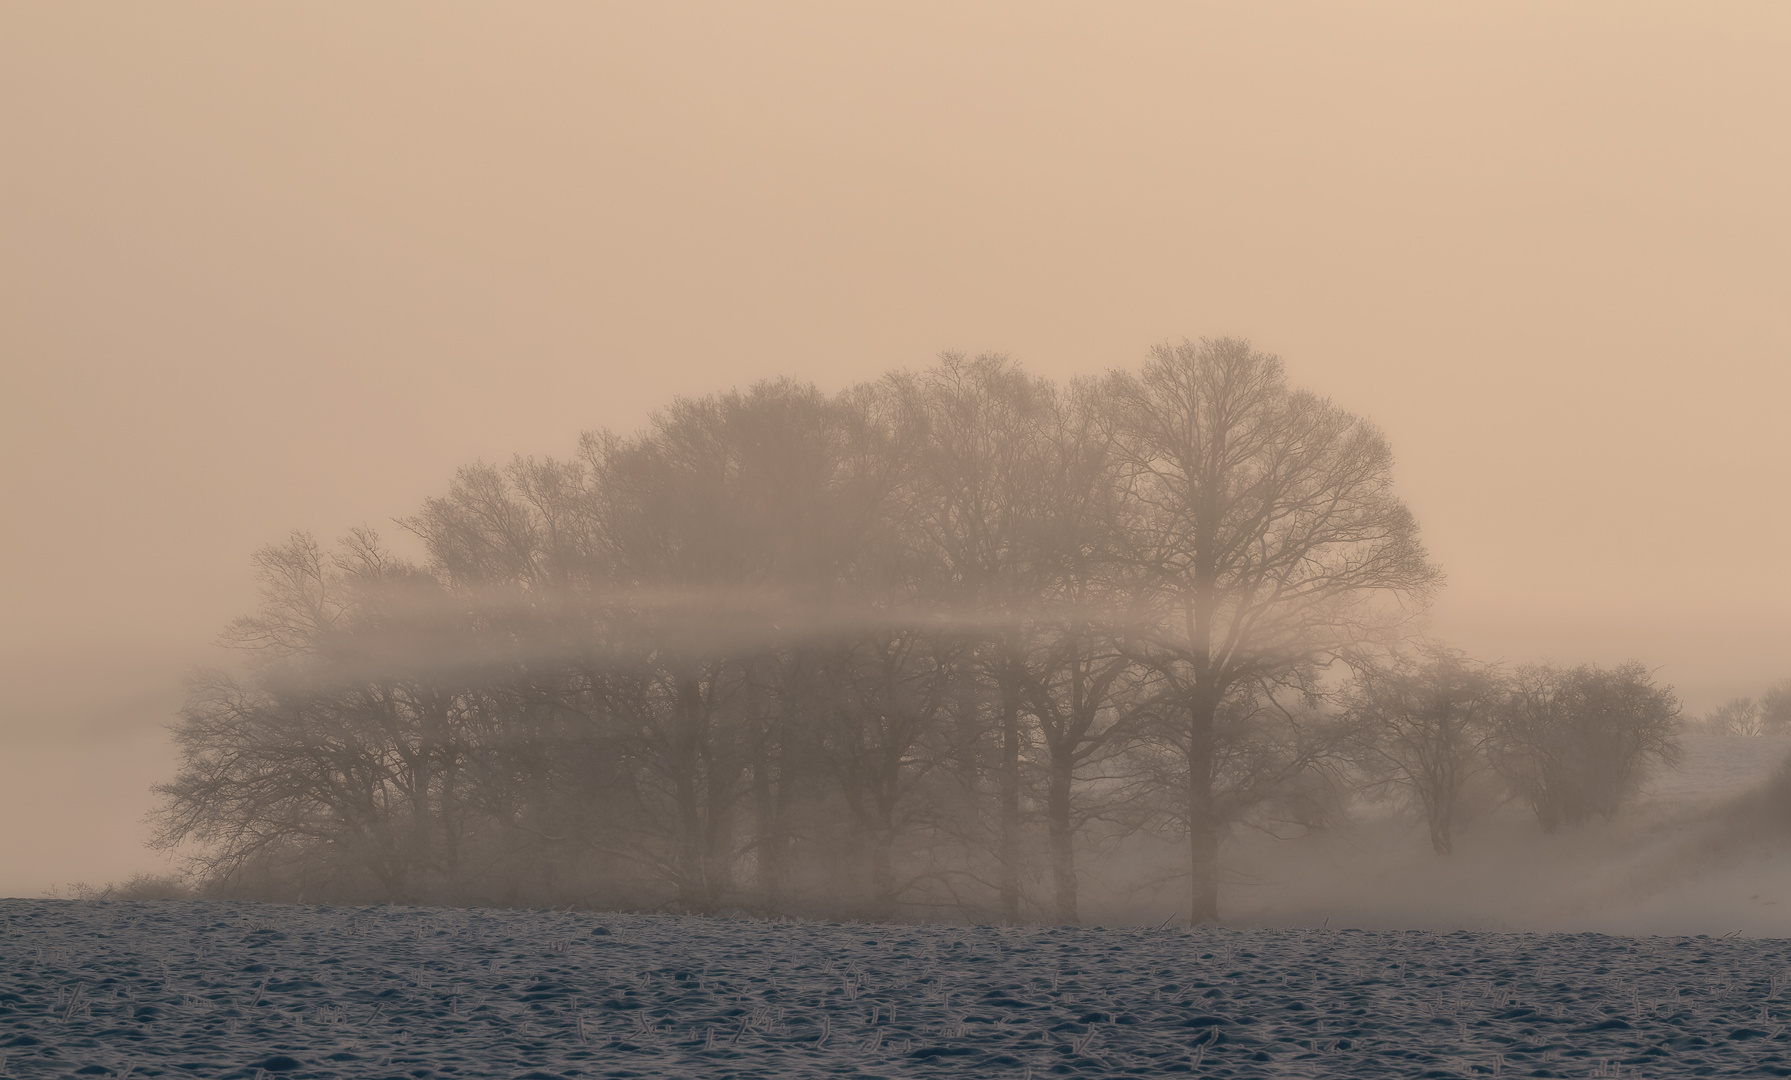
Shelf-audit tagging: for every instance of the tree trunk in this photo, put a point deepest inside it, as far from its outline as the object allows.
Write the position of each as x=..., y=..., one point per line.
x=1203, y=823
x=416, y=855
x=690, y=854
x=718, y=836
x=1009, y=854
x=1063, y=852
x=1440, y=839
x=688, y=785
x=769, y=843
x=881, y=874
x=1441, y=790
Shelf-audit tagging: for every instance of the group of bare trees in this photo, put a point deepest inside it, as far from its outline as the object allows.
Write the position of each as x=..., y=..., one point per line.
x=1769, y=714
x=1571, y=743
x=913, y=645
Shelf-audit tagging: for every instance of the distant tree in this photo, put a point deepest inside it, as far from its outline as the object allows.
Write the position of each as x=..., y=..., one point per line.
x=1775, y=709
x=1576, y=742
x=886, y=738
x=342, y=747
x=1737, y=716
x=976, y=496
x=703, y=615
x=1014, y=501
x=744, y=528
x=1083, y=688
x=1423, y=723
x=553, y=771
x=1265, y=538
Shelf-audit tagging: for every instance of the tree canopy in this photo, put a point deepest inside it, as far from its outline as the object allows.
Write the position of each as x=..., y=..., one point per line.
x=925, y=643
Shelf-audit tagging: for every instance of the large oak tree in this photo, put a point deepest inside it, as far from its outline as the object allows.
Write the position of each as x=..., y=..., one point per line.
x=1266, y=540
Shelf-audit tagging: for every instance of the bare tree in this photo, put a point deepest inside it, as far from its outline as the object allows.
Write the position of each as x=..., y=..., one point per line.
x=1737, y=716
x=1424, y=723
x=676, y=520
x=977, y=495
x=1264, y=534
x=1576, y=742
x=1014, y=496
x=1084, y=689
x=1775, y=709
x=347, y=734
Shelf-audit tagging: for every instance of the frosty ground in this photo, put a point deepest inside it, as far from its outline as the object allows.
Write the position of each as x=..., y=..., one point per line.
x=230, y=990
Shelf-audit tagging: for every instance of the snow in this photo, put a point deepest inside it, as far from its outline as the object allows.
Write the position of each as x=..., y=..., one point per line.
x=236, y=990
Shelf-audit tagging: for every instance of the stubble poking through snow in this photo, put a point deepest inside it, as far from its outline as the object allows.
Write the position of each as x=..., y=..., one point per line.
x=233, y=990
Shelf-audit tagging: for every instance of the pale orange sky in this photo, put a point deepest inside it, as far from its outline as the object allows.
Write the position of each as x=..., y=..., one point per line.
x=271, y=267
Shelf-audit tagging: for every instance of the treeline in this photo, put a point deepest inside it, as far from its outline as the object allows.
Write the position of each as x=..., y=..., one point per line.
x=1768, y=714
x=917, y=647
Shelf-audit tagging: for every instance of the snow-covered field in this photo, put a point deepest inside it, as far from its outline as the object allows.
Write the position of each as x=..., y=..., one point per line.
x=228, y=990
x=1366, y=956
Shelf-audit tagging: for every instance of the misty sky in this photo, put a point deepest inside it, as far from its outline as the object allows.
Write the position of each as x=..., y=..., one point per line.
x=266, y=268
